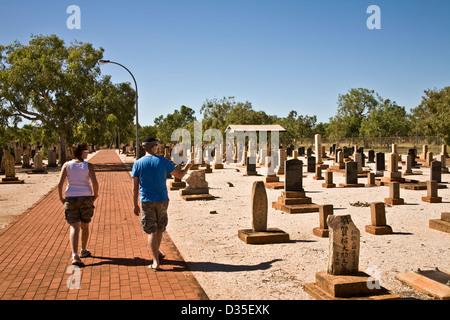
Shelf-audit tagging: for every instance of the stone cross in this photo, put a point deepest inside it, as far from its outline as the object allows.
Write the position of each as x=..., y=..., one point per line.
x=259, y=207
x=343, y=258
x=293, y=180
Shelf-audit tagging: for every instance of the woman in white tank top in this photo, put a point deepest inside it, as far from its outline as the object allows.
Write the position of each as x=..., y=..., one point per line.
x=79, y=199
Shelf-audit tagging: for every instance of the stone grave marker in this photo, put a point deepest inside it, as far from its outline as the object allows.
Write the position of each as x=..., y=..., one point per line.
x=328, y=180
x=351, y=176
x=378, y=224
x=343, y=280
x=394, y=194
x=435, y=171
x=442, y=224
x=324, y=211
x=10, y=170
x=380, y=164
x=432, y=193
x=197, y=188
x=260, y=234
x=311, y=164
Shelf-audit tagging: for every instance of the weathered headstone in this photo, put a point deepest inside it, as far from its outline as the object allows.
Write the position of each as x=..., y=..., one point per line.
x=370, y=179
x=260, y=234
x=343, y=280
x=394, y=194
x=380, y=164
x=378, y=219
x=328, y=180
x=311, y=164
x=251, y=166
x=293, y=180
x=432, y=193
x=318, y=175
x=392, y=173
x=10, y=170
x=197, y=188
x=318, y=150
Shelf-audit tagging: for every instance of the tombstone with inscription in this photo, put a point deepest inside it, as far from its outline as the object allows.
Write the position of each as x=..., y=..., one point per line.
x=38, y=164
x=380, y=164
x=260, y=234
x=311, y=165
x=293, y=199
x=343, y=280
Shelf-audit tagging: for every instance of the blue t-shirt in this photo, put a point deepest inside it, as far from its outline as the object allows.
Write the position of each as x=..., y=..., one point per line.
x=152, y=173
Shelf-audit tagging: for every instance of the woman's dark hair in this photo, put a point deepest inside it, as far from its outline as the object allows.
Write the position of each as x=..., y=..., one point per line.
x=79, y=151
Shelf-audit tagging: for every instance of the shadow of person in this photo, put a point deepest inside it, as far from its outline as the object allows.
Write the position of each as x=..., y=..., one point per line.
x=217, y=267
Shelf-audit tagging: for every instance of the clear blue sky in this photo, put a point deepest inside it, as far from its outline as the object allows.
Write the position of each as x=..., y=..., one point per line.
x=279, y=55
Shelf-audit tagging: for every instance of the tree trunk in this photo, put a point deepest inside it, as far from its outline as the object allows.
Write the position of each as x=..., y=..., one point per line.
x=62, y=145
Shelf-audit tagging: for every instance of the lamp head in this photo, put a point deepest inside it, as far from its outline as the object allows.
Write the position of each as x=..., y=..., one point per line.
x=103, y=61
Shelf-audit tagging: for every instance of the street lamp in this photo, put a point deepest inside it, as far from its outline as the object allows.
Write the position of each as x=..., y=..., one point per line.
x=101, y=62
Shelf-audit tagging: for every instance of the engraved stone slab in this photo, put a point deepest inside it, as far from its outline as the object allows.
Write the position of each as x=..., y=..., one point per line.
x=344, y=245
x=293, y=180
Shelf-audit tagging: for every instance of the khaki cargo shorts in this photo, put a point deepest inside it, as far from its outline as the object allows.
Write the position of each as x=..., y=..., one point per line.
x=79, y=209
x=154, y=216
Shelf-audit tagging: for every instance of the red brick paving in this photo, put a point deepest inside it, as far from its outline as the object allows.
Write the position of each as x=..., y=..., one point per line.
x=35, y=256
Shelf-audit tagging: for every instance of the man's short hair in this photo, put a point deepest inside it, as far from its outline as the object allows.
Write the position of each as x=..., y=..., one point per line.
x=149, y=141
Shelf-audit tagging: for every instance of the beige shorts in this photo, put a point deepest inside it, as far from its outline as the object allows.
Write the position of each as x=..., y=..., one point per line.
x=154, y=216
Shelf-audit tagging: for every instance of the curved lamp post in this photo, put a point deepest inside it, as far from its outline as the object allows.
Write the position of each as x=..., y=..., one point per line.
x=101, y=62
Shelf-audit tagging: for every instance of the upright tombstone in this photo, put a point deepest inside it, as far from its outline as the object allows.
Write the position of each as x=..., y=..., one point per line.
x=197, y=188
x=10, y=170
x=380, y=164
x=378, y=224
x=51, y=156
x=38, y=164
x=251, y=167
x=392, y=173
x=443, y=160
x=432, y=193
x=408, y=165
x=318, y=175
x=293, y=199
x=282, y=158
x=351, y=176
x=311, y=164
x=343, y=280
x=324, y=211
x=328, y=180
x=318, y=148
x=394, y=194
x=370, y=179
x=371, y=156
x=435, y=171
x=260, y=234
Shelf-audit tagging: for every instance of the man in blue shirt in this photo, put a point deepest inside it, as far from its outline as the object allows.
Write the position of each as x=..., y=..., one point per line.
x=149, y=180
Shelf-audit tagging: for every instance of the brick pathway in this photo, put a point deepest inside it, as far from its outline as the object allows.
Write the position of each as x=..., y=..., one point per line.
x=35, y=256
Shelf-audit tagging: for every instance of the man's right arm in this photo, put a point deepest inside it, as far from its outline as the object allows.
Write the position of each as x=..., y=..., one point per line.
x=180, y=173
x=136, y=207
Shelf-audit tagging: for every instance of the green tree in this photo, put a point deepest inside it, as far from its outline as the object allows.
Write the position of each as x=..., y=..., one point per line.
x=432, y=116
x=353, y=107
x=46, y=81
x=179, y=119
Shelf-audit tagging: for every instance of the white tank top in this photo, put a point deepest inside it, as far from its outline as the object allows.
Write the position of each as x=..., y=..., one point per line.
x=78, y=183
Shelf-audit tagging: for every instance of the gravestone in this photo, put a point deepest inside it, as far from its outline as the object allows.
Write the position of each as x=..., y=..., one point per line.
x=380, y=164
x=394, y=194
x=318, y=148
x=442, y=224
x=197, y=188
x=311, y=165
x=301, y=151
x=293, y=199
x=10, y=170
x=351, y=176
x=371, y=156
x=378, y=224
x=38, y=166
x=432, y=193
x=177, y=184
x=272, y=181
x=324, y=211
x=251, y=167
x=370, y=179
x=328, y=180
x=343, y=280
x=318, y=175
x=435, y=171
x=392, y=173
x=260, y=234
x=282, y=159
x=408, y=164
x=443, y=160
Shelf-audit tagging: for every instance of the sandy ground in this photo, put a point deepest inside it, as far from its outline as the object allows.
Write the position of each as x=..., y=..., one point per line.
x=229, y=269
